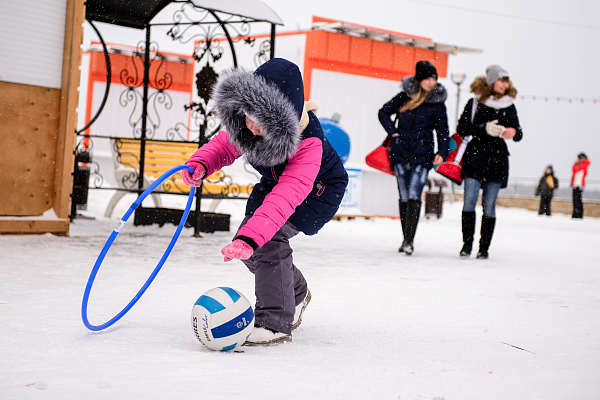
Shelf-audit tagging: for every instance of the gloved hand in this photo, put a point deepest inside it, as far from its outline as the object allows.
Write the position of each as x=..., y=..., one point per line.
x=194, y=179
x=237, y=249
x=493, y=129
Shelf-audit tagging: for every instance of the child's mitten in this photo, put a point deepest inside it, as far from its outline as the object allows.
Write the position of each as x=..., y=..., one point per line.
x=194, y=179
x=237, y=249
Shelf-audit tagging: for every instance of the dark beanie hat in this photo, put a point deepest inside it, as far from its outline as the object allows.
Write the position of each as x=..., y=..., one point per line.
x=425, y=70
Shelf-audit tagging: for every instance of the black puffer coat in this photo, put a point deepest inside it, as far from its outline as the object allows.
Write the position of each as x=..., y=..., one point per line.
x=486, y=157
x=414, y=145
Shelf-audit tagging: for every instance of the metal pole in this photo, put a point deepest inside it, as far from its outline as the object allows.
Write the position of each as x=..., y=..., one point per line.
x=272, y=54
x=199, y=216
x=457, y=105
x=455, y=130
x=144, y=108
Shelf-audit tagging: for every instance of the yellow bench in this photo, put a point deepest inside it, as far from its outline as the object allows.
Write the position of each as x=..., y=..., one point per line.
x=159, y=158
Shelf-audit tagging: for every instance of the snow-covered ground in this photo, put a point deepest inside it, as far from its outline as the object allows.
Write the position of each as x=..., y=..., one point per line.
x=524, y=324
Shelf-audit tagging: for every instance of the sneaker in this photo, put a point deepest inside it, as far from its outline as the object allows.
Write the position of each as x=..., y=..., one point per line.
x=262, y=336
x=483, y=254
x=300, y=309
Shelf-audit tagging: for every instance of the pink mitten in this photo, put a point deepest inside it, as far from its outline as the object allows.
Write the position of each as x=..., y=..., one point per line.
x=237, y=249
x=194, y=179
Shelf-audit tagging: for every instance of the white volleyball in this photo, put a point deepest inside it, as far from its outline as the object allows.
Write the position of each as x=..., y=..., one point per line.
x=222, y=319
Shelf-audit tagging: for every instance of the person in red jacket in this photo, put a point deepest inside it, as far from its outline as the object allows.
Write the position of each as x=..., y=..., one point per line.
x=580, y=169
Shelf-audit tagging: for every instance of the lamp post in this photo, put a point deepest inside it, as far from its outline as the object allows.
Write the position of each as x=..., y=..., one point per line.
x=458, y=78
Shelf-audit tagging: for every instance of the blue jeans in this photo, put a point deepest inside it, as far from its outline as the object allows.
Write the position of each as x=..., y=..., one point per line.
x=410, y=181
x=488, y=199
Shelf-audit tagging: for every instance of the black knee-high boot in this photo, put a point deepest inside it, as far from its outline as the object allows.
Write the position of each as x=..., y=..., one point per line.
x=413, y=212
x=402, y=206
x=468, y=231
x=487, y=231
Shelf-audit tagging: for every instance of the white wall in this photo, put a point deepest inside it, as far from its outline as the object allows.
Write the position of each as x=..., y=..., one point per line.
x=357, y=99
x=32, y=35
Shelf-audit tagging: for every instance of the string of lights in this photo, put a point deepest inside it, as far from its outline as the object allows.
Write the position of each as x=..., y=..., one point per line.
x=549, y=98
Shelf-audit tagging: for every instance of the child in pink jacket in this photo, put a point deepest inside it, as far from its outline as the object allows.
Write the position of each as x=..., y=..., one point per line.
x=302, y=184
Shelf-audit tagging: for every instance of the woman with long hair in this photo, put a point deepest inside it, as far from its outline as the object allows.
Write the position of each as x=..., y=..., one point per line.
x=418, y=109
x=490, y=119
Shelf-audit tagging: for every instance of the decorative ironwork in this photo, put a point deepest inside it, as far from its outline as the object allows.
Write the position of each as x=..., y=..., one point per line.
x=133, y=95
x=146, y=93
x=128, y=174
x=86, y=144
x=205, y=80
x=263, y=54
x=193, y=23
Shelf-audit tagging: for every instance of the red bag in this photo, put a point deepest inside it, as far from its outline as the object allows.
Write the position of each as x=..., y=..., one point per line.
x=380, y=158
x=452, y=166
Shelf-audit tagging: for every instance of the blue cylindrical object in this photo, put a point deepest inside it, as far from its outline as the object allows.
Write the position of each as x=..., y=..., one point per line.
x=338, y=138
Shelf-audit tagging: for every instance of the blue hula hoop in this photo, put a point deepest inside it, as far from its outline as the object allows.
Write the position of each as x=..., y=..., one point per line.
x=112, y=238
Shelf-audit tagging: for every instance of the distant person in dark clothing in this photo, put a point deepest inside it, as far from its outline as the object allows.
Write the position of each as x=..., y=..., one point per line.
x=545, y=190
x=580, y=169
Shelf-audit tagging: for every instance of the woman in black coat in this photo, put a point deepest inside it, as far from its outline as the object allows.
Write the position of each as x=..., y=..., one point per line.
x=490, y=119
x=418, y=110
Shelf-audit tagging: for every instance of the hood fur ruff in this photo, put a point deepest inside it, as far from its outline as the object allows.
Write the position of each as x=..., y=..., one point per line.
x=437, y=95
x=239, y=93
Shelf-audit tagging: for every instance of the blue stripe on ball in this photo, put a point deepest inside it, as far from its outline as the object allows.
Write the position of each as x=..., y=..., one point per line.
x=234, y=325
x=227, y=348
x=232, y=293
x=211, y=305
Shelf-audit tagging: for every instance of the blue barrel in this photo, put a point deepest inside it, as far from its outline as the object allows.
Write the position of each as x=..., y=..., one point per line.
x=338, y=138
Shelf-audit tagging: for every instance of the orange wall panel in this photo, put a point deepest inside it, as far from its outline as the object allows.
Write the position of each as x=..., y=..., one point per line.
x=338, y=48
x=441, y=63
x=425, y=55
x=404, y=59
x=316, y=44
x=360, y=51
x=383, y=55
x=123, y=71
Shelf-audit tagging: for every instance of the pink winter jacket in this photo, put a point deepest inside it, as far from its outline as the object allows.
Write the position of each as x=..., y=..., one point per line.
x=293, y=186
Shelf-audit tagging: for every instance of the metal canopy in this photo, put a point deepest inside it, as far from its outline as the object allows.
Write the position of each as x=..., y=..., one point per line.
x=393, y=37
x=138, y=13
x=128, y=13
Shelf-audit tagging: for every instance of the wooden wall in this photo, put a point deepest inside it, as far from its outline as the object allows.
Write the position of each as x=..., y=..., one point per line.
x=28, y=130
x=37, y=140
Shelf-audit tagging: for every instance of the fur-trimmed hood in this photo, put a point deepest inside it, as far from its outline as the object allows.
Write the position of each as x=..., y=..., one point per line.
x=272, y=96
x=437, y=95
